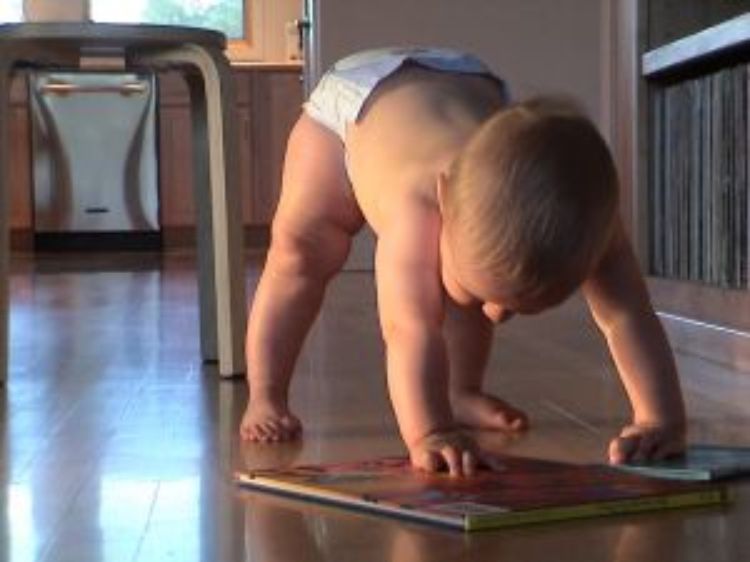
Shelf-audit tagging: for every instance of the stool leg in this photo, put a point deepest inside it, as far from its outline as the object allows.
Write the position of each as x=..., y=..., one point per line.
x=202, y=196
x=221, y=263
x=5, y=71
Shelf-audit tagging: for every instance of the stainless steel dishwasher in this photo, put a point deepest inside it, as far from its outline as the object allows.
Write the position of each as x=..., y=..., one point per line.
x=95, y=165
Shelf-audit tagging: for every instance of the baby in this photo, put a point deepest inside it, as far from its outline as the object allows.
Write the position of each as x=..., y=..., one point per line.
x=482, y=209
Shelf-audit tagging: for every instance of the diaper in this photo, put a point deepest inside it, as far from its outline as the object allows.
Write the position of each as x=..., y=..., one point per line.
x=338, y=98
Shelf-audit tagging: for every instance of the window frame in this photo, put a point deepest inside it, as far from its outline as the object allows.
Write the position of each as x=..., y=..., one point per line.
x=251, y=47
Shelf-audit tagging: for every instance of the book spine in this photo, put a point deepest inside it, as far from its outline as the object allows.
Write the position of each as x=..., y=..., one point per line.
x=708, y=497
x=308, y=492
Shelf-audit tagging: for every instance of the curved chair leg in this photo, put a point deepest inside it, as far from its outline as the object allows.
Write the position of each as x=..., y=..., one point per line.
x=217, y=196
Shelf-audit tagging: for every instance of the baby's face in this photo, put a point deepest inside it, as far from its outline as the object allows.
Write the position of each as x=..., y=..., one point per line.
x=491, y=294
x=470, y=291
x=494, y=309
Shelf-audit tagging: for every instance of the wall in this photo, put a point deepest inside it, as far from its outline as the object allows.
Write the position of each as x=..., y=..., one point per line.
x=538, y=46
x=55, y=10
x=276, y=14
x=669, y=20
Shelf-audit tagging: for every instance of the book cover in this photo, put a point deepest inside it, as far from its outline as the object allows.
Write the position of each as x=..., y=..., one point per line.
x=521, y=491
x=700, y=462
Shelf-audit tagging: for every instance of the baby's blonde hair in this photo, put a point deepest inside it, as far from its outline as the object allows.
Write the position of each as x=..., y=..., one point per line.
x=532, y=199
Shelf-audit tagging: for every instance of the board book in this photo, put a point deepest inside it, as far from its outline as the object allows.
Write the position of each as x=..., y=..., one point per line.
x=521, y=491
x=700, y=462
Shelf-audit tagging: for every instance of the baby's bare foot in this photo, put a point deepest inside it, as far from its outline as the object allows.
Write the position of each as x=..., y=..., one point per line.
x=484, y=411
x=266, y=423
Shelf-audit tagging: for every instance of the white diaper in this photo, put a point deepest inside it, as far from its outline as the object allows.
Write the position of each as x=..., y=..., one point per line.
x=342, y=91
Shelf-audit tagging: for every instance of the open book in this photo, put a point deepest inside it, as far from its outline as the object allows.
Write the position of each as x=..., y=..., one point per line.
x=700, y=462
x=522, y=491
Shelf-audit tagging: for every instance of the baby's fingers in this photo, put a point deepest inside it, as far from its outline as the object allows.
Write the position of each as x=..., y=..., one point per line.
x=456, y=461
x=641, y=447
x=452, y=457
x=429, y=461
x=470, y=463
x=622, y=449
x=668, y=447
x=460, y=462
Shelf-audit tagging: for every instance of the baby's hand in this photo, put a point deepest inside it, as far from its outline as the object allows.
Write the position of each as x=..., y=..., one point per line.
x=453, y=450
x=644, y=442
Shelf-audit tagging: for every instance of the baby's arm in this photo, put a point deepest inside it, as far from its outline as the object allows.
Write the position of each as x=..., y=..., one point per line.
x=410, y=302
x=619, y=302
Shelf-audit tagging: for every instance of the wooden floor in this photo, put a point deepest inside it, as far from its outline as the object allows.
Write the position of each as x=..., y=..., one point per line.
x=117, y=444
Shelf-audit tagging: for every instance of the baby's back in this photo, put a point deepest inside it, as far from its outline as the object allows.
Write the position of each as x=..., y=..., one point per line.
x=410, y=129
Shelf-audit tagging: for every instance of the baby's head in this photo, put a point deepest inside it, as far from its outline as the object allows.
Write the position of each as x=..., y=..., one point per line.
x=528, y=207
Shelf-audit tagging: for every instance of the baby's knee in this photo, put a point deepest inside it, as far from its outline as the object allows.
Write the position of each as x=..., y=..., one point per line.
x=318, y=255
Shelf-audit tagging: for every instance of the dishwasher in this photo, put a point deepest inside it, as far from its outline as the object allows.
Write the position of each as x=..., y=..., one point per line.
x=94, y=160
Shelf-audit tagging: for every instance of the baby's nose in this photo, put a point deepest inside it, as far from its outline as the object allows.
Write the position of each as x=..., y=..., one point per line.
x=496, y=312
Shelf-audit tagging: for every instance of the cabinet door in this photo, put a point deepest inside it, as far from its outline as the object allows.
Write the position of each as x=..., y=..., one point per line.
x=269, y=103
x=176, y=167
x=276, y=104
x=176, y=205
x=245, y=161
x=19, y=124
x=20, y=168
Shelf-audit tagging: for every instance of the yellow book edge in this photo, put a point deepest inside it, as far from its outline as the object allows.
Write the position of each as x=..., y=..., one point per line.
x=713, y=496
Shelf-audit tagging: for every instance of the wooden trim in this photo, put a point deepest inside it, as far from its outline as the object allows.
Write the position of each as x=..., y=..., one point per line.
x=178, y=237
x=702, y=303
x=713, y=41
x=706, y=321
x=21, y=240
x=624, y=110
x=19, y=89
x=709, y=341
x=608, y=67
x=274, y=66
x=256, y=237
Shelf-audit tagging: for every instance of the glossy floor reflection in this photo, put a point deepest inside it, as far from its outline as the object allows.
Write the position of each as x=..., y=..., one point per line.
x=117, y=444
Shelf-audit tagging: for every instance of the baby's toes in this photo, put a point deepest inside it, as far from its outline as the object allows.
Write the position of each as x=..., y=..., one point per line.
x=290, y=425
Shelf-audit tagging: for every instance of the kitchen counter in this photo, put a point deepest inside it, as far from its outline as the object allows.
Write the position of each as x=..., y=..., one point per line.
x=267, y=65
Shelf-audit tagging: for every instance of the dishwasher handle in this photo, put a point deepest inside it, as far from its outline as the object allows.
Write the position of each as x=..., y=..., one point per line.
x=66, y=88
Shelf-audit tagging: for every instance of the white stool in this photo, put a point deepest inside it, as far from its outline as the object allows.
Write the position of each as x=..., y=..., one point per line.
x=199, y=54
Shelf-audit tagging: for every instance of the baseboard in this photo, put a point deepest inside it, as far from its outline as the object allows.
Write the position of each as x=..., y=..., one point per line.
x=723, y=345
x=256, y=237
x=184, y=237
x=97, y=241
x=21, y=240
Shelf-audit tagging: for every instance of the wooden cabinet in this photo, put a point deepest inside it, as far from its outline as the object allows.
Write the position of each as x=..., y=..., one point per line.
x=275, y=105
x=268, y=101
x=177, y=208
x=20, y=165
x=670, y=20
x=664, y=52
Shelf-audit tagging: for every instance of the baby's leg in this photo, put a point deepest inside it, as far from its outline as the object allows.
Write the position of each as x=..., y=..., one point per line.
x=468, y=335
x=310, y=240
